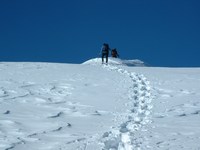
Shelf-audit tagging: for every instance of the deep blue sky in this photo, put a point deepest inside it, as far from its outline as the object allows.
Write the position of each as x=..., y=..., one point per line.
x=159, y=32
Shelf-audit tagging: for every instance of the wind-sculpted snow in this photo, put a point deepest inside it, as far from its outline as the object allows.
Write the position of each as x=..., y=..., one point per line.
x=93, y=106
x=134, y=118
x=55, y=106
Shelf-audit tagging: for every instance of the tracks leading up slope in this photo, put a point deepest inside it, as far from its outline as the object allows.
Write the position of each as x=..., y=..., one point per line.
x=135, y=118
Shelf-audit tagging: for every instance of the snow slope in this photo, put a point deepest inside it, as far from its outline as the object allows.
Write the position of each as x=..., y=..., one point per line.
x=89, y=106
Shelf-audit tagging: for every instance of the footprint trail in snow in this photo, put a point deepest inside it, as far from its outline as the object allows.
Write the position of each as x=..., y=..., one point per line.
x=135, y=118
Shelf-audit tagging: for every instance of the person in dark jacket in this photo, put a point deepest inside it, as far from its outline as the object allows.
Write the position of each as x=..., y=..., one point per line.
x=105, y=52
x=114, y=53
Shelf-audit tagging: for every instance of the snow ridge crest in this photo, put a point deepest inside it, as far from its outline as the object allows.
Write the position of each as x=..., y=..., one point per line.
x=117, y=62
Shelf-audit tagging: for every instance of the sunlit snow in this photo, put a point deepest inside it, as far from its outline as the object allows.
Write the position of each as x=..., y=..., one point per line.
x=92, y=106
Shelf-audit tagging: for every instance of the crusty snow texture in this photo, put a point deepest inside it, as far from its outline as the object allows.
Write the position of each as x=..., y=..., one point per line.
x=94, y=106
x=72, y=107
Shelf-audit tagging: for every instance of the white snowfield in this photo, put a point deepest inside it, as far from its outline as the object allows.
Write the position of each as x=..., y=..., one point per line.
x=93, y=106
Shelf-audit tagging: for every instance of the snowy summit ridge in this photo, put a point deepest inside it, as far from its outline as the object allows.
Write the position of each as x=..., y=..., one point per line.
x=117, y=61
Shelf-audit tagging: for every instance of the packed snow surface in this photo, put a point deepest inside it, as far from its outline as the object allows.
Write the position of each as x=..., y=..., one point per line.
x=93, y=106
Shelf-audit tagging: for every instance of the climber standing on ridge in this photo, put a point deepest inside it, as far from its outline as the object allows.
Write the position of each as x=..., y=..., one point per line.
x=114, y=53
x=105, y=52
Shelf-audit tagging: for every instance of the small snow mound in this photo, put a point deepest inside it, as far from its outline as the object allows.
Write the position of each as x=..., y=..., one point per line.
x=117, y=61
